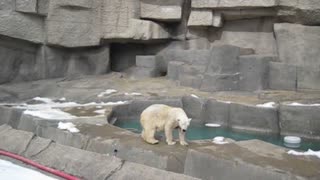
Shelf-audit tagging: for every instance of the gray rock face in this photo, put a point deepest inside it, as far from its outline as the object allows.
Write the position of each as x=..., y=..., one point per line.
x=7, y=5
x=120, y=20
x=256, y=34
x=21, y=26
x=282, y=76
x=216, y=112
x=27, y=6
x=297, y=44
x=301, y=120
x=308, y=78
x=74, y=24
x=201, y=18
x=254, y=71
x=233, y=3
x=168, y=11
x=305, y=12
x=258, y=120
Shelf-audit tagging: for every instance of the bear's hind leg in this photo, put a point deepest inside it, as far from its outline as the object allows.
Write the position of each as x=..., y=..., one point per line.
x=149, y=135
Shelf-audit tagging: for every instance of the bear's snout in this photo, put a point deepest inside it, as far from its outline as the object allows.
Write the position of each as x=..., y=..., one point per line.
x=183, y=130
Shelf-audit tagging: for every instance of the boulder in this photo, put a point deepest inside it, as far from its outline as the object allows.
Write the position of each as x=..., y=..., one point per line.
x=308, y=78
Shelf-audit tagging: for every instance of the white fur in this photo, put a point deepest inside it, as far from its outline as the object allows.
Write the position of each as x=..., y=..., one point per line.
x=159, y=117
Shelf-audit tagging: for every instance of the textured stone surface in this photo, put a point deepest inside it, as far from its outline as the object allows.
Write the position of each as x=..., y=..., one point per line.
x=7, y=5
x=120, y=21
x=233, y=3
x=201, y=18
x=217, y=112
x=9, y=135
x=74, y=24
x=255, y=119
x=308, y=78
x=282, y=76
x=300, y=120
x=26, y=27
x=297, y=44
x=168, y=11
x=193, y=107
x=295, y=11
x=173, y=69
x=135, y=171
x=248, y=160
x=28, y=6
x=84, y=164
x=254, y=71
x=256, y=34
x=224, y=60
x=220, y=82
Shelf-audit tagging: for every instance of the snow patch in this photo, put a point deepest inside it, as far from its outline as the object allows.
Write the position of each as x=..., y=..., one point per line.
x=300, y=104
x=212, y=125
x=133, y=94
x=54, y=114
x=195, y=96
x=11, y=171
x=219, y=140
x=306, y=153
x=107, y=92
x=267, y=105
x=100, y=111
x=68, y=126
x=227, y=102
x=51, y=109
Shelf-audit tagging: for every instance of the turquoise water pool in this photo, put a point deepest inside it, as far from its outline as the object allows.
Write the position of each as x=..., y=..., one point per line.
x=199, y=132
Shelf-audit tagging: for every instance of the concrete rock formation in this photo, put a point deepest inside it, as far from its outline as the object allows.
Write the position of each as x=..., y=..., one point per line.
x=63, y=35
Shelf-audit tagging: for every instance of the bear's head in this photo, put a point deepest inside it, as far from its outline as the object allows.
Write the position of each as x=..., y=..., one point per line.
x=183, y=120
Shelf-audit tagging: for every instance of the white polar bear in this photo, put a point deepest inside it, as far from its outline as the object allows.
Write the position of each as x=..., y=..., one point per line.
x=159, y=117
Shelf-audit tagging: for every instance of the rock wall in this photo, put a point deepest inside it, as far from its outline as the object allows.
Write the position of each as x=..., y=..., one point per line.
x=56, y=38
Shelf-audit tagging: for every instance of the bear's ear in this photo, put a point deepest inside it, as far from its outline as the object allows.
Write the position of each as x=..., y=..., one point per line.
x=189, y=119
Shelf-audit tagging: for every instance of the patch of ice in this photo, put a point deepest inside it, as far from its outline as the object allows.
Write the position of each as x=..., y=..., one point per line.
x=228, y=102
x=54, y=114
x=100, y=111
x=133, y=94
x=195, y=96
x=107, y=92
x=42, y=99
x=11, y=171
x=62, y=99
x=267, y=105
x=219, y=140
x=99, y=107
x=300, y=104
x=68, y=126
x=306, y=153
x=212, y=125
x=50, y=109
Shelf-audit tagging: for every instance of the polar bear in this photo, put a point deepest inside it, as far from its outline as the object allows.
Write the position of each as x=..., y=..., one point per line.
x=160, y=117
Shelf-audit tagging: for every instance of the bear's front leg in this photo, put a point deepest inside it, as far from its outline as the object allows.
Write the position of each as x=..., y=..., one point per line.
x=182, y=137
x=168, y=132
